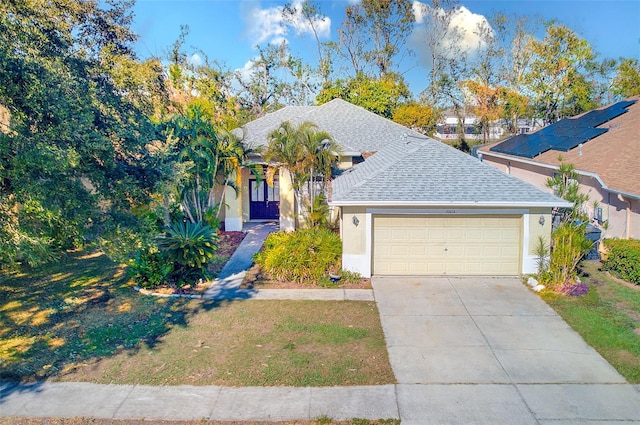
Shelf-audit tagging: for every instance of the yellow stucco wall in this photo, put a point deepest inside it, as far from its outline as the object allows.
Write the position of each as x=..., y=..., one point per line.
x=354, y=237
x=287, y=205
x=246, y=176
x=536, y=229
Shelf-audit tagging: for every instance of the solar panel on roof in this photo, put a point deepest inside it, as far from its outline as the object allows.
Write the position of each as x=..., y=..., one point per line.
x=584, y=136
x=562, y=135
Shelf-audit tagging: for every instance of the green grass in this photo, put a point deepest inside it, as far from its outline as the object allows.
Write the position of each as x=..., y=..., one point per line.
x=607, y=317
x=259, y=343
x=80, y=320
x=78, y=309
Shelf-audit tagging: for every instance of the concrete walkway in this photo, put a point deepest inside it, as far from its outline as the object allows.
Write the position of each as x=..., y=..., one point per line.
x=489, y=351
x=227, y=285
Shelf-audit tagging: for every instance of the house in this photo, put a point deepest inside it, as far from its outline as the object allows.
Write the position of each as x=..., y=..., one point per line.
x=447, y=128
x=407, y=204
x=604, y=147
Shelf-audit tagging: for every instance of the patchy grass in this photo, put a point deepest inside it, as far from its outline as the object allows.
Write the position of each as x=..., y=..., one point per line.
x=80, y=308
x=88, y=421
x=258, y=343
x=80, y=320
x=607, y=317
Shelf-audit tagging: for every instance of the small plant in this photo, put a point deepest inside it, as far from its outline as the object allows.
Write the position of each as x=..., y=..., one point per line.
x=319, y=213
x=190, y=247
x=305, y=256
x=350, y=277
x=541, y=251
x=570, y=244
x=149, y=269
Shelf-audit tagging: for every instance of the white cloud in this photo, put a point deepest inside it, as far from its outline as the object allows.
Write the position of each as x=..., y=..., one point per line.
x=246, y=71
x=195, y=59
x=462, y=30
x=268, y=25
x=265, y=24
x=468, y=23
x=302, y=26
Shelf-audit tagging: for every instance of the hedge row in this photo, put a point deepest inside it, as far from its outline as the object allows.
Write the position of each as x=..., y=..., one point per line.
x=623, y=259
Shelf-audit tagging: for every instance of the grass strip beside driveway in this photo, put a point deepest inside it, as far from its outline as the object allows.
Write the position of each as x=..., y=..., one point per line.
x=607, y=317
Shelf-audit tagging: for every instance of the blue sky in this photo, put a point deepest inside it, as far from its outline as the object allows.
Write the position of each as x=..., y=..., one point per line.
x=228, y=30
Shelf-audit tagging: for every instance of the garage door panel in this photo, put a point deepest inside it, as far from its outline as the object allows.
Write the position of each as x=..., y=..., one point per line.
x=469, y=245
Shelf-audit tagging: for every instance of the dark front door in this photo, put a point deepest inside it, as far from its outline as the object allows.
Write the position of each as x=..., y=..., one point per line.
x=264, y=200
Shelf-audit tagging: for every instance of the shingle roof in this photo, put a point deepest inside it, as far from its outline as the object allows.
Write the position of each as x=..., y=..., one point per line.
x=427, y=172
x=407, y=168
x=614, y=155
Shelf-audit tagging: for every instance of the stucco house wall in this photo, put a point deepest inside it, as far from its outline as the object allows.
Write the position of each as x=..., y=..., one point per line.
x=621, y=213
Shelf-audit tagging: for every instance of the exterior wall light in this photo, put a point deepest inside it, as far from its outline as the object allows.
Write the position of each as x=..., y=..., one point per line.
x=355, y=221
x=541, y=220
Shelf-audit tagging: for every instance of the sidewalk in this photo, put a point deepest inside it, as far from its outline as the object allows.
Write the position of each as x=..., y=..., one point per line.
x=79, y=399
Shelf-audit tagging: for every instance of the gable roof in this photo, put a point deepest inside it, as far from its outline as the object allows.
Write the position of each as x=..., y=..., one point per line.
x=429, y=173
x=613, y=155
x=354, y=128
x=408, y=168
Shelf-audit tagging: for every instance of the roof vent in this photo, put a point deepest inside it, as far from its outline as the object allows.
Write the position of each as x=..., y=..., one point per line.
x=580, y=149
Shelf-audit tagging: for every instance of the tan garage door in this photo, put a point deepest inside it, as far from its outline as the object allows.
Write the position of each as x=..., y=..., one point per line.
x=435, y=245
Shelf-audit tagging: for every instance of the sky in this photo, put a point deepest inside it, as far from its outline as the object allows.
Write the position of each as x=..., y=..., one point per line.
x=229, y=30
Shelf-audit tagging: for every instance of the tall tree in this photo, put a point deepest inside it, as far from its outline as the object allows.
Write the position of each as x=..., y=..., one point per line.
x=447, y=57
x=273, y=78
x=374, y=33
x=380, y=96
x=307, y=14
x=418, y=117
x=72, y=153
x=627, y=80
x=557, y=76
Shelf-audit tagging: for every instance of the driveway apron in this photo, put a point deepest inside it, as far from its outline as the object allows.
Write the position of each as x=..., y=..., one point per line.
x=489, y=351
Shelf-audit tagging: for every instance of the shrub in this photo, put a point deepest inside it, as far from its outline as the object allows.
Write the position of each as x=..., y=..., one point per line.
x=623, y=259
x=569, y=245
x=304, y=256
x=190, y=246
x=149, y=269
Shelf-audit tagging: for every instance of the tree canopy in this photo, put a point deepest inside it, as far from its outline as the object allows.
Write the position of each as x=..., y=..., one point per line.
x=72, y=146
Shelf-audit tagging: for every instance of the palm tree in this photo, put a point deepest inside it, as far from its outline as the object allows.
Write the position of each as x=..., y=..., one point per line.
x=209, y=158
x=305, y=152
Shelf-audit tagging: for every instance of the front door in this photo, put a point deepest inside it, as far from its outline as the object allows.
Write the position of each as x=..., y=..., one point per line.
x=264, y=200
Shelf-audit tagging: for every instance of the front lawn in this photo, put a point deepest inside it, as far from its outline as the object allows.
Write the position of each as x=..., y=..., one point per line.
x=607, y=317
x=79, y=320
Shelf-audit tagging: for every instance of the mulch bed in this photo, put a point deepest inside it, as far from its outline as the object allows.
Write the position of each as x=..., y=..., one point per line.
x=256, y=279
x=229, y=242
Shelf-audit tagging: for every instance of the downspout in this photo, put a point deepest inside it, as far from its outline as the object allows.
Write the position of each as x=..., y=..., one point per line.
x=627, y=226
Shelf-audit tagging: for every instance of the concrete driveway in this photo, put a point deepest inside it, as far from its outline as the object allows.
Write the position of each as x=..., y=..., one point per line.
x=489, y=351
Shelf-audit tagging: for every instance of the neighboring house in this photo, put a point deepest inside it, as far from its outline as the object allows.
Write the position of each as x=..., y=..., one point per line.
x=604, y=147
x=407, y=204
x=447, y=128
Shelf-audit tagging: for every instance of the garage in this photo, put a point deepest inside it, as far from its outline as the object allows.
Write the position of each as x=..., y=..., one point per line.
x=453, y=245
